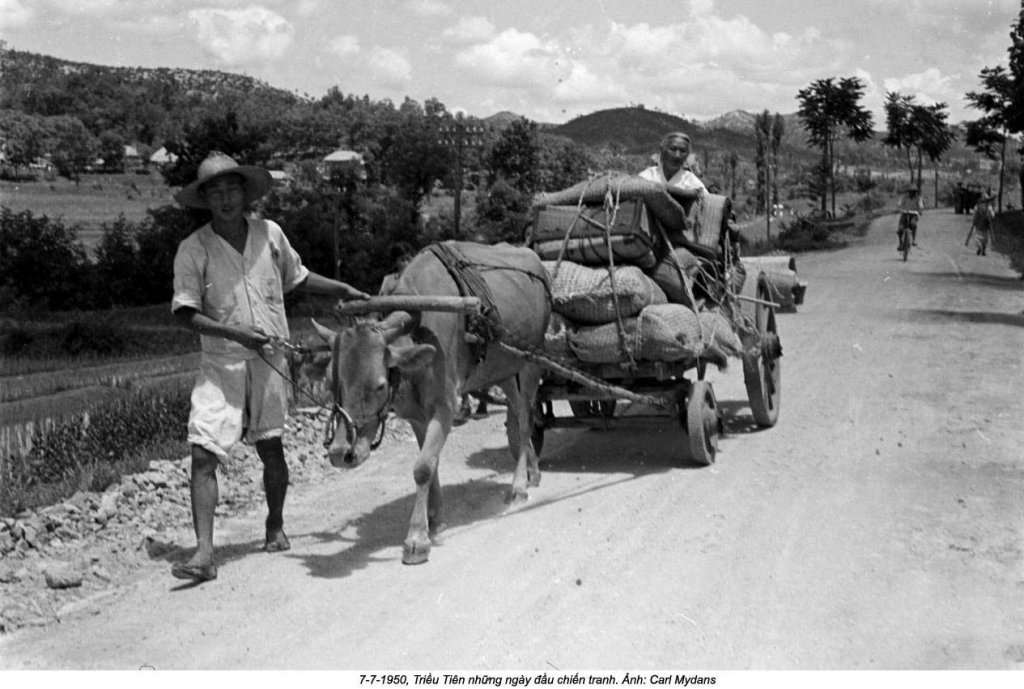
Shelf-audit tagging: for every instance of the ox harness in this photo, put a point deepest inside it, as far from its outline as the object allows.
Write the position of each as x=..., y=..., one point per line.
x=486, y=326
x=340, y=414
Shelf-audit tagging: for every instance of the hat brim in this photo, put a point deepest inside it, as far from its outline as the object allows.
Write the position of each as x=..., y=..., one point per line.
x=257, y=183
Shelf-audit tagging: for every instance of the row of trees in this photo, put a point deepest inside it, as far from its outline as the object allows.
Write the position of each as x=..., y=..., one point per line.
x=343, y=225
x=71, y=146
x=831, y=109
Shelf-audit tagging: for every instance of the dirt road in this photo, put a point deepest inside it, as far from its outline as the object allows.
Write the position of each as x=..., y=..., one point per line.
x=879, y=525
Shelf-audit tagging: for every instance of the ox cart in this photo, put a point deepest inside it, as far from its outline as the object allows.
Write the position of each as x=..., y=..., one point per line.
x=638, y=385
x=645, y=297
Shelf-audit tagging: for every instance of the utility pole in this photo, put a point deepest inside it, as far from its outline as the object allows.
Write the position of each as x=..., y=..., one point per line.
x=459, y=136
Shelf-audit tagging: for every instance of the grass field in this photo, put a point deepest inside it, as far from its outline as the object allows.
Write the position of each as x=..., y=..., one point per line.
x=98, y=199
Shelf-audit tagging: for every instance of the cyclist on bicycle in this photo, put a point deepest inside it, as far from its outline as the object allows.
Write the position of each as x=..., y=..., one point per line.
x=910, y=210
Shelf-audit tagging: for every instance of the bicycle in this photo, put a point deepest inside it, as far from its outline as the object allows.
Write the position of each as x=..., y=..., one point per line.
x=906, y=231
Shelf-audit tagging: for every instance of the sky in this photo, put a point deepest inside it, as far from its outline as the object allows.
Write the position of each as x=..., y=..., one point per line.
x=549, y=60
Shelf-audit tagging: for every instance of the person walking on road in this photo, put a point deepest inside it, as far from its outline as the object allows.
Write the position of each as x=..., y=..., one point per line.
x=230, y=278
x=984, y=215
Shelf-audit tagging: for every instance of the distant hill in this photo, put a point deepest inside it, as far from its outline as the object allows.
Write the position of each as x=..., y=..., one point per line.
x=737, y=121
x=501, y=120
x=633, y=131
x=142, y=104
x=638, y=131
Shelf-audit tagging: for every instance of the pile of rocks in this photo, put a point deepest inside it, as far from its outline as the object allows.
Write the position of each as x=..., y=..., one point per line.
x=65, y=558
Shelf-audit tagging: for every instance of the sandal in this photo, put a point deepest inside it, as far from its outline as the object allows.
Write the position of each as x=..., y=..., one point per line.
x=196, y=573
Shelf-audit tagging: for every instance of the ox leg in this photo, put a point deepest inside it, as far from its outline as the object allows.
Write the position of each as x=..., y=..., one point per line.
x=427, y=508
x=522, y=391
x=435, y=498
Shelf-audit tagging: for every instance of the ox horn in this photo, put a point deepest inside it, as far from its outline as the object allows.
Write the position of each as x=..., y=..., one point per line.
x=402, y=302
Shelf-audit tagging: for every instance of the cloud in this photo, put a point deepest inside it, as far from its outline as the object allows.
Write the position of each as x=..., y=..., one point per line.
x=929, y=86
x=429, y=8
x=237, y=37
x=513, y=58
x=390, y=68
x=344, y=46
x=14, y=14
x=470, y=30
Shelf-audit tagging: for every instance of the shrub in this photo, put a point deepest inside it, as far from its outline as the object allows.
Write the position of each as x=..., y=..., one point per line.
x=41, y=263
x=84, y=337
x=15, y=340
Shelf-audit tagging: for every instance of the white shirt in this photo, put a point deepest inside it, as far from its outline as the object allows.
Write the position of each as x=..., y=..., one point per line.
x=683, y=179
x=244, y=289
x=911, y=204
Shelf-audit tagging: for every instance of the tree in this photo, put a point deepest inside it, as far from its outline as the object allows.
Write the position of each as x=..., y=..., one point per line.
x=23, y=136
x=990, y=133
x=72, y=147
x=915, y=128
x=829, y=110
x=734, y=161
x=1002, y=101
x=778, y=132
x=413, y=156
x=515, y=157
x=229, y=134
x=111, y=149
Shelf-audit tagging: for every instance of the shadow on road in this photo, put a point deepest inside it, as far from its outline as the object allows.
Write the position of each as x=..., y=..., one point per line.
x=982, y=317
x=385, y=527
x=998, y=281
x=738, y=418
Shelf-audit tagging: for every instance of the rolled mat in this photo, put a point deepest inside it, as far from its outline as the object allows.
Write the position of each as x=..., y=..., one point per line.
x=708, y=218
x=586, y=295
x=593, y=251
x=784, y=288
x=621, y=187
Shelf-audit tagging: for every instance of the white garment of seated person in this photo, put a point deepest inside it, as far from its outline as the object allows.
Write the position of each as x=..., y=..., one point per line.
x=682, y=179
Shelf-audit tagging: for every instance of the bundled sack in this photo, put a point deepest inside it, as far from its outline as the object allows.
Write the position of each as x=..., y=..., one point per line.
x=622, y=187
x=556, y=339
x=584, y=234
x=721, y=340
x=662, y=332
x=586, y=295
x=675, y=274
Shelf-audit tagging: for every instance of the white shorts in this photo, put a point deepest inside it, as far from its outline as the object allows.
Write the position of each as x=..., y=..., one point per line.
x=232, y=398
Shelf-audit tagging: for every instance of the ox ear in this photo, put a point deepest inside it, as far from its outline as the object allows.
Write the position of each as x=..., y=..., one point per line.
x=324, y=332
x=412, y=358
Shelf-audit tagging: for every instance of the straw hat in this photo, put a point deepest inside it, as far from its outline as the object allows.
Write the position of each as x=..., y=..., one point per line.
x=257, y=180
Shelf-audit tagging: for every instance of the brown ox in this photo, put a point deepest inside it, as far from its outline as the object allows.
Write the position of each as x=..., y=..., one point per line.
x=420, y=363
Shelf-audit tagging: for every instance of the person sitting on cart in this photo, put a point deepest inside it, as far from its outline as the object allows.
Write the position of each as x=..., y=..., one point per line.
x=674, y=167
x=910, y=209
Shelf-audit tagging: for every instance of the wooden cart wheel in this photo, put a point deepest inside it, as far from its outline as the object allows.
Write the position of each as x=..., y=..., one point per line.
x=763, y=373
x=703, y=422
x=589, y=409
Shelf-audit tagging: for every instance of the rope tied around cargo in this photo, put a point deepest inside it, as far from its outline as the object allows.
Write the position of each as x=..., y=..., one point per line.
x=611, y=205
x=611, y=209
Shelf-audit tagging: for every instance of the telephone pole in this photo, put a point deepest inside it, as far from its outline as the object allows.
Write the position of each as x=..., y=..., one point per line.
x=459, y=136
